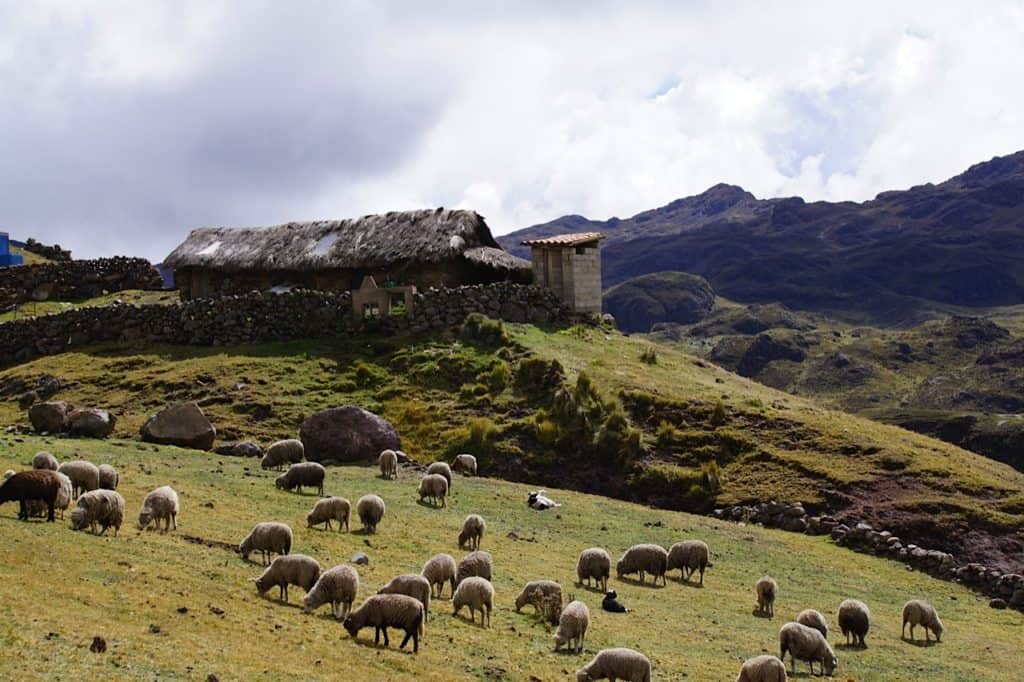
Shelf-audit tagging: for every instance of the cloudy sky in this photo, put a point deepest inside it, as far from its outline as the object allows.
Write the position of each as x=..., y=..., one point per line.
x=123, y=125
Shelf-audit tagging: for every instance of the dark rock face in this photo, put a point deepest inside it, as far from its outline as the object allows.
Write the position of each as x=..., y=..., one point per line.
x=639, y=303
x=91, y=422
x=766, y=349
x=183, y=425
x=49, y=417
x=347, y=434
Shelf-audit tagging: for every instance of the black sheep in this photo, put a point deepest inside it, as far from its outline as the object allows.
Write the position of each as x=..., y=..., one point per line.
x=40, y=484
x=611, y=603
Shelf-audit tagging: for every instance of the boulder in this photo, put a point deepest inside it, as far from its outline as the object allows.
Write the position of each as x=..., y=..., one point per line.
x=347, y=434
x=91, y=422
x=50, y=417
x=245, y=448
x=183, y=424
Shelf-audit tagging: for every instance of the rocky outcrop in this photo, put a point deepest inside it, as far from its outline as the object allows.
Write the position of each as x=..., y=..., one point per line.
x=49, y=417
x=245, y=448
x=78, y=278
x=347, y=434
x=661, y=297
x=91, y=422
x=54, y=253
x=183, y=424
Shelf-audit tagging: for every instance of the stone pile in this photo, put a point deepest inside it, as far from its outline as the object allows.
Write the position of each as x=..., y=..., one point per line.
x=76, y=279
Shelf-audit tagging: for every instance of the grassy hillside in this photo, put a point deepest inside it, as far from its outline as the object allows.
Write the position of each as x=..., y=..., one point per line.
x=29, y=257
x=171, y=607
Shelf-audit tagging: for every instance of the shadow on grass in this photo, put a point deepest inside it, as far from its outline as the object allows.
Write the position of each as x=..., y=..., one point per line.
x=919, y=642
x=637, y=583
x=589, y=588
x=369, y=644
x=758, y=613
x=851, y=646
x=687, y=583
x=429, y=505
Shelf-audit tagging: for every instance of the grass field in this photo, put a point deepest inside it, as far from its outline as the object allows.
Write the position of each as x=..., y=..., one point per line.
x=172, y=608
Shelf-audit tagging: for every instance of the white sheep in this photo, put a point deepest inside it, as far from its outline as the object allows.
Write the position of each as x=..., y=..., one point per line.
x=854, y=619
x=65, y=495
x=478, y=563
x=109, y=477
x=269, y=537
x=572, y=626
x=813, y=619
x=370, y=509
x=85, y=476
x=329, y=509
x=435, y=487
x=160, y=505
x=688, y=556
x=388, y=461
x=94, y=508
x=763, y=669
x=472, y=533
x=766, y=589
x=439, y=569
x=288, y=451
x=643, y=559
x=45, y=460
x=288, y=569
x=476, y=593
x=544, y=595
x=806, y=644
x=441, y=469
x=919, y=612
x=383, y=611
x=616, y=664
x=412, y=585
x=465, y=463
x=337, y=586
x=593, y=563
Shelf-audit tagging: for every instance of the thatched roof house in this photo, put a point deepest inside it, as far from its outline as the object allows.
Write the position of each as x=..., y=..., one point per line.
x=425, y=248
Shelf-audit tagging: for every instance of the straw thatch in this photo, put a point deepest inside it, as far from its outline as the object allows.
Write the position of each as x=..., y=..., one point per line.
x=374, y=241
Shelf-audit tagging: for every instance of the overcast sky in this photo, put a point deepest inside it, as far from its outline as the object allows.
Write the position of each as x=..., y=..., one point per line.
x=124, y=125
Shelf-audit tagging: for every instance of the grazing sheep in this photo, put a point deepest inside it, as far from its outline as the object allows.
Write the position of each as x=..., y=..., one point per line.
x=412, y=585
x=616, y=664
x=807, y=644
x=763, y=669
x=109, y=477
x=814, y=619
x=643, y=559
x=288, y=451
x=434, y=486
x=329, y=509
x=371, y=511
x=594, y=563
x=572, y=626
x=441, y=469
x=688, y=556
x=289, y=569
x=338, y=586
x=477, y=563
x=439, y=569
x=919, y=612
x=45, y=460
x=103, y=508
x=160, y=505
x=472, y=532
x=766, y=589
x=854, y=620
x=388, y=462
x=267, y=538
x=85, y=476
x=65, y=495
x=27, y=486
x=465, y=464
x=544, y=595
x=383, y=611
x=308, y=474
x=476, y=593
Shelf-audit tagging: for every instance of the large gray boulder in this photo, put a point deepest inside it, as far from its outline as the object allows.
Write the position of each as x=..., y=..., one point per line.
x=347, y=434
x=183, y=424
x=91, y=422
x=51, y=417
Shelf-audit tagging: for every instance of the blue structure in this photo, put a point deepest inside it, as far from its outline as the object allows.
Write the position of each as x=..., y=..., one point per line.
x=7, y=259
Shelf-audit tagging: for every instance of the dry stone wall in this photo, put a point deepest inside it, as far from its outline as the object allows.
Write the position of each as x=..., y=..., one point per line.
x=75, y=279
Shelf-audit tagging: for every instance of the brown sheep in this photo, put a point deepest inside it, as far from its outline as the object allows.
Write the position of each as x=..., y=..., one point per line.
x=38, y=484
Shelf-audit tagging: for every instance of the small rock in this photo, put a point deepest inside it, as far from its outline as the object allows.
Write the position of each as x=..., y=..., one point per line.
x=212, y=678
x=155, y=629
x=216, y=611
x=997, y=603
x=360, y=558
x=182, y=609
x=98, y=646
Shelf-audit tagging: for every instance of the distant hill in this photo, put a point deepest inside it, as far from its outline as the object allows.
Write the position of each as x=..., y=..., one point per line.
x=960, y=242
x=641, y=302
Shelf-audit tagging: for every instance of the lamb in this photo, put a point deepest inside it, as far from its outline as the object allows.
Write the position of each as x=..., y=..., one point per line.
x=109, y=477
x=383, y=611
x=855, y=621
x=160, y=505
x=45, y=460
x=371, y=511
x=288, y=451
x=476, y=593
x=85, y=476
x=388, y=462
x=616, y=664
x=572, y=626
x=814, y=619
x=435, y=487
x=477, y=564
x=763, y=669
x=919, y=612
x=27, y=486
x=267, y=538
x=329, y=509
x=465, y=464
x=594, y=563
x=766, y=589
x=688, y=556
x=544, y=595
x=338, y=586
x=309, y=474
x=438, y=569
x=289, y=569
x=441, y=469
x=104, y=508
x=472, y=532
x=412, y=585
x=643, y=559
x=807, y=644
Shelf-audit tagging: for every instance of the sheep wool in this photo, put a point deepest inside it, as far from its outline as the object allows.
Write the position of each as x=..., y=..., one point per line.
x=472, y=533
x=438, y=570
x=370, y=509
x=337, y=586
x=383, y=611
x=289, y=569
x=388, y=461
x=85, y=476
x=329, y=509
x=434, y=487
x=475, y=564
x=478, y=594
x=45, y=460
x=465, y=464
x=643, y=559
x=26, y=487
x=763, y=669
x=103, y=508
x=688, y=556
x=572, y=626
x=302, y=474
x=543, y=595
x=268, y=537
x=594, y=564
x=65, y=495
x=160, y=505
x=814, y=619
x=919, y=612
x=412, y=585
x=616, y=664
x=109, y=477
x=441, y=469
x=806, y=644
x=766, y=589
x=288, y=451
x=854, y=619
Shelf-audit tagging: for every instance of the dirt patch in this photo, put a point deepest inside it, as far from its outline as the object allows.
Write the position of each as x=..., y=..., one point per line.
x=217, y=544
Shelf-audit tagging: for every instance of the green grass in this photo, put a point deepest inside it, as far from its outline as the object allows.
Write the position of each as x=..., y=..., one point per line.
x=76, y=586
x=28, y=257
x=136, y=297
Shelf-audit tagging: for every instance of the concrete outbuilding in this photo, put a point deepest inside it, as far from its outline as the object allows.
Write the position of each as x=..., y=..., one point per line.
x=570, y=265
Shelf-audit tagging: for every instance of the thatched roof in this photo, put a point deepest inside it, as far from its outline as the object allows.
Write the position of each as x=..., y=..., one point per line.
x=373, y=241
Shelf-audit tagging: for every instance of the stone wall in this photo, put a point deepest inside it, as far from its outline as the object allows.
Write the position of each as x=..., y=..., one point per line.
x=265, y=317
x=54, y=253
x=75, y=279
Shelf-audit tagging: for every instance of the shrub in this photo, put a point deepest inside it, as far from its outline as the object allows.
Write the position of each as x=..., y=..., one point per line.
x=649, y=355
x=711, y=477
x=368, y=375
x=545, y=430
x=666, y=434
x=498, y=377
x=718, y=415
x=482, y=329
